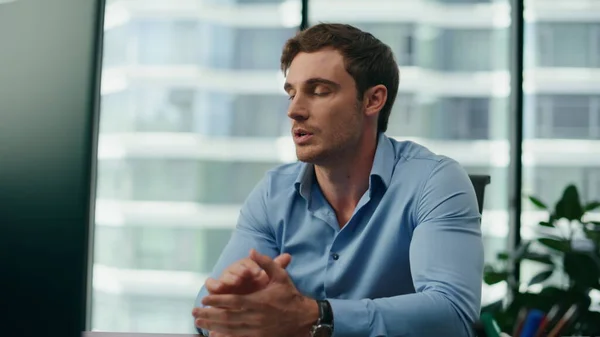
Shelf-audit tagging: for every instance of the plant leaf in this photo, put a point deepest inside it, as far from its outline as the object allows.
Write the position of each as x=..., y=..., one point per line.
x=560, y=245
x=541, y=277
x=522, y=250
x=537, y=257
x=582, y=269
x=592, y=232
x=569, y=206
x=502, y=256
x=593, y=235
x=546, y=224
x=491, y=276
x=591, y=206
x=565, y=296
x=537, y=202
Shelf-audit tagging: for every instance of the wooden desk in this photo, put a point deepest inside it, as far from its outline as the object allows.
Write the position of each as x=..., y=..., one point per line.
x=131, y=334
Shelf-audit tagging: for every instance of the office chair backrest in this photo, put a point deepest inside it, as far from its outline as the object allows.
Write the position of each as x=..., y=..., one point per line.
x=479, y=183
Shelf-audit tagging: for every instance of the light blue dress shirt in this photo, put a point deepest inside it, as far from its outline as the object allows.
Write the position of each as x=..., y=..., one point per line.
x=408, y=263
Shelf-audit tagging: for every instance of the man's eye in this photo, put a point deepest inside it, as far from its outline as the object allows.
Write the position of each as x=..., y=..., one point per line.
x=291, y=97
x=321, y=93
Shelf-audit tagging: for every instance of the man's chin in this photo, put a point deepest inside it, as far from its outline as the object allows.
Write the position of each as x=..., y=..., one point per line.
x=312, y=157
x=307, y=157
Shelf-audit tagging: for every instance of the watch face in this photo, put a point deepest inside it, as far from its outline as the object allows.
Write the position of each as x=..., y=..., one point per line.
x=322, y=331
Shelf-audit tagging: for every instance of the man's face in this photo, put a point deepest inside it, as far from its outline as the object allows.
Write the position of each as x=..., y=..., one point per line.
x=327, y=118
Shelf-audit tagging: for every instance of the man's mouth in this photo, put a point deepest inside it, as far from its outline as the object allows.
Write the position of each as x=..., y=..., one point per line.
x=301, y=133
x=302, y=137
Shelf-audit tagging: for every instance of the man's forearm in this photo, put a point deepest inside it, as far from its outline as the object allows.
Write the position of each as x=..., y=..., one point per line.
x=422, y=314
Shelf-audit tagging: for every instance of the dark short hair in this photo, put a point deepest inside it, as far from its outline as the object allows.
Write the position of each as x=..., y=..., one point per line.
x=368, y=60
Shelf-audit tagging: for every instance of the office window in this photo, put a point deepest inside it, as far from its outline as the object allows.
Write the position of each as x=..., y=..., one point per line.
x=164, y=180
x=466, y=49
x=113, y=248
x=568, y=44
x=178, y=180
x=461, y=49
x=593, y=184
x=162, y=42
x=147, y=318
x=155, y=246
x=405, y=119
x=464, y=1
x=260, y=48
x=109, y=312
x=117, y=48
x=229, y=182
x=550, y=181
x=460, y=118
x=174, y=166
x=164, y=109
x=400, y=38
x=571, y=117
x=562, y=148
x=260, y=116
x=595, y=117
x=160, y=246
x=567, y=116
x=259, y=1
x=221, y=39
x=117, y=112
x=596, y=43
x=113, y=180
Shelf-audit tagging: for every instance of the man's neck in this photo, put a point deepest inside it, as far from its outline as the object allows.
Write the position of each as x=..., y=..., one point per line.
x=344, y=182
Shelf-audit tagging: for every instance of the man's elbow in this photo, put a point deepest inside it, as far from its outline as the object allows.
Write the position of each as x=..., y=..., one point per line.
x=464, y=316
x=456, y=314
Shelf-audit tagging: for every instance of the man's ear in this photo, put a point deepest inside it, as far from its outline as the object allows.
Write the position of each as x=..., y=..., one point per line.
x=374, y=99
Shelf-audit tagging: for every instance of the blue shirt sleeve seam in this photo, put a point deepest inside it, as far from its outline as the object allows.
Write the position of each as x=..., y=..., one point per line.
x=266, y=229
x=422, y=190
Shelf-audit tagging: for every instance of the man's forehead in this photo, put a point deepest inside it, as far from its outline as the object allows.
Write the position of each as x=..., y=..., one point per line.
x=326, y=64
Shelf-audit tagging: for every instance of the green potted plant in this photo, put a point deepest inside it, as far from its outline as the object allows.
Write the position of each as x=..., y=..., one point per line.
x=567, y=245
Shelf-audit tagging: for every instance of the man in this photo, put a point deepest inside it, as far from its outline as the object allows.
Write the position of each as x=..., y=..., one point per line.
x=365, y=235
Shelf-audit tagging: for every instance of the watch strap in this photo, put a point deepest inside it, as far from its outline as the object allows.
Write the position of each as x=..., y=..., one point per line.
x=325, y=313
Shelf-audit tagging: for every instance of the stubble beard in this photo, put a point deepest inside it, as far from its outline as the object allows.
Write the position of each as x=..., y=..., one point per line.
x=341, y=145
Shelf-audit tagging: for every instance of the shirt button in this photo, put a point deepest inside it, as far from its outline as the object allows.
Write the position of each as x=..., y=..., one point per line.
x=335, y=256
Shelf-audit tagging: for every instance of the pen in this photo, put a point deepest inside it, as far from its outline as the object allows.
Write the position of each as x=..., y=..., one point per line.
x=490, y=325
x=532, y=322
x=546, y=320
x=519, y=322
x=568, y=316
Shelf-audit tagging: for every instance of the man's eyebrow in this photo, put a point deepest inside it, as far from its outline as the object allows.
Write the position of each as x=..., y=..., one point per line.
x=320, y=80
x=313, y=81
x=287, y=86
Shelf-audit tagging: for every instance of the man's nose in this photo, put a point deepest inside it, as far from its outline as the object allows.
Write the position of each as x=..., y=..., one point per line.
x=297, y=109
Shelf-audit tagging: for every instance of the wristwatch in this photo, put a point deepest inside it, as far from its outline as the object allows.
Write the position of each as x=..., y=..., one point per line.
x=324, y=325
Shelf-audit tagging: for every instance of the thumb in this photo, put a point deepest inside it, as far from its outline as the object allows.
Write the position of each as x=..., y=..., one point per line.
x=283, y=260
x=273, y=270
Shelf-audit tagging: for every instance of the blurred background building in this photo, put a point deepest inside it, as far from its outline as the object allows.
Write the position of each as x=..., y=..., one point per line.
x=193, y=113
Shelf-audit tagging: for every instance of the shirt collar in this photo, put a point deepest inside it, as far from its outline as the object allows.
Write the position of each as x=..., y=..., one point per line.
x=382, y=168
x=383, y=163
x=305, y=180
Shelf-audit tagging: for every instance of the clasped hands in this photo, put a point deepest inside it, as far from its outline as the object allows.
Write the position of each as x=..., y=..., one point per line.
x=255, y=297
